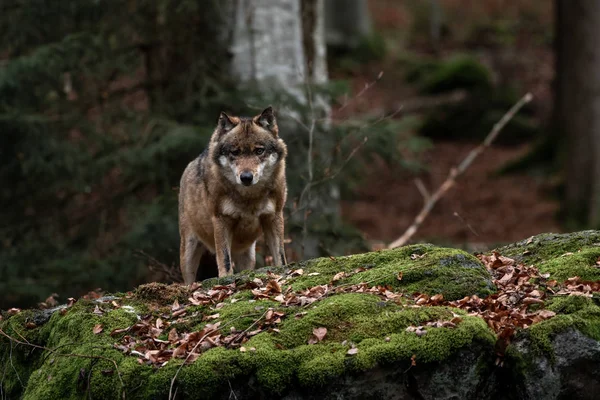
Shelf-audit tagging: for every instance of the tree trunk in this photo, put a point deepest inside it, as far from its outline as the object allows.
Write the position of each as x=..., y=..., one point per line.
x=279, y=45
x=577, y=106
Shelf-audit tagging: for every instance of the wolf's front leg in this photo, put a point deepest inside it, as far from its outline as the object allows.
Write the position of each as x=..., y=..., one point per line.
x=273, y=229
x=245, y=259
x=222, y=246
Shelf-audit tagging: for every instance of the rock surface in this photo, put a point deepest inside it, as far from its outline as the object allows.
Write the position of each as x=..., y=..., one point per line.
x=333, y=328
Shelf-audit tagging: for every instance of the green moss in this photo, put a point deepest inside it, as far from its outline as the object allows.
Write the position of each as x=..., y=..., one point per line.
x=318, y=365
x=547, y=246
x=18, y=362
x=206, y=376
x=242, y=314
x=82, y=362
x=333, y=313
x=436, y=345
x=425, y=268
x=581, y=264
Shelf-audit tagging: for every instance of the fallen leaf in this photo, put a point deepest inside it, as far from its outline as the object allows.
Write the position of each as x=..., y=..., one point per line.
x=175, y=305
x=352, y=351
x=318, y=335
x=97, y=329
x=173, y=336
x=338, y=276
x=546, y=314
x=273, y=287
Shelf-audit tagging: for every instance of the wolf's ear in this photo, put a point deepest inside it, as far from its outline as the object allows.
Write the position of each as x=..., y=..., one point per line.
x=225, y=123
x=267, y=120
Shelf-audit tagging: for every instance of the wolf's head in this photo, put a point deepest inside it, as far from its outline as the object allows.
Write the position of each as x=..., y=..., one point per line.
x=247, y=151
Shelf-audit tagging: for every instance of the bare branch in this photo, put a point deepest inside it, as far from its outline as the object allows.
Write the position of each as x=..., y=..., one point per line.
x=424, y=192
x=457, y=171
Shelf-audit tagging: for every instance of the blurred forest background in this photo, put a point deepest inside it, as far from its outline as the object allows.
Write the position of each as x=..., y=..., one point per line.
x=103, y=104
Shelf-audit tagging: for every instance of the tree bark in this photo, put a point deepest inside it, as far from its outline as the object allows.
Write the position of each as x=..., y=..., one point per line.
x=279, y=45
x=577, y=106
x=267, y=44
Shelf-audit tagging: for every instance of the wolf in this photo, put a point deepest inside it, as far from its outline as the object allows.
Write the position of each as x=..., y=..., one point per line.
x=234, y=191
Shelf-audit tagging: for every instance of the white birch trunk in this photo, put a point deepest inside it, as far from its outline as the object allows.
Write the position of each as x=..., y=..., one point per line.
x=267, y=44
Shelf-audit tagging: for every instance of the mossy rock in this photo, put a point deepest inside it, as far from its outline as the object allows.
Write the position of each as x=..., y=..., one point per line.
x=65, y=359
x=558, y=358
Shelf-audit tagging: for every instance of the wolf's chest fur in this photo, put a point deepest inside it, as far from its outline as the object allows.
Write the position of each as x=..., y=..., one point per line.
x=245, y=219
x=247, y=210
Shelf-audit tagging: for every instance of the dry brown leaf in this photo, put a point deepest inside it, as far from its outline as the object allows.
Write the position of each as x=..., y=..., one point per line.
x=546, y=314
x=97, y=329
x=338, y=276
x=173, y=336
x=273, y=287
x=320, y=333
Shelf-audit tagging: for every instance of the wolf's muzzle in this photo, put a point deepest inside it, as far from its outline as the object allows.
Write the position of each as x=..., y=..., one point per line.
x=246, y=178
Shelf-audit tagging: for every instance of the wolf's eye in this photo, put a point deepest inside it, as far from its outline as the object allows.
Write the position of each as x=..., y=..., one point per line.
x=259, y=151
x=235, y=152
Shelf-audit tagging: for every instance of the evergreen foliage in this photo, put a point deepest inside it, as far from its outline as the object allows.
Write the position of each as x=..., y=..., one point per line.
x=101, y=106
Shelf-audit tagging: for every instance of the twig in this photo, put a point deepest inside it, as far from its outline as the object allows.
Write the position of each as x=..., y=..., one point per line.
x=464, y=221
x=13, y=367
x=232, y=393
x=368, y=86
x=424, y=192
x=457, y=171
x=113, y=362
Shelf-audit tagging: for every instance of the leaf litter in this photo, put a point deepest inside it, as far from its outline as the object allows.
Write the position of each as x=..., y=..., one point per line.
x=518, y=304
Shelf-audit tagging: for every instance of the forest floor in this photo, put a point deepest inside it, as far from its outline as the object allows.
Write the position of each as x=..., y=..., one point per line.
x=483, y=209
